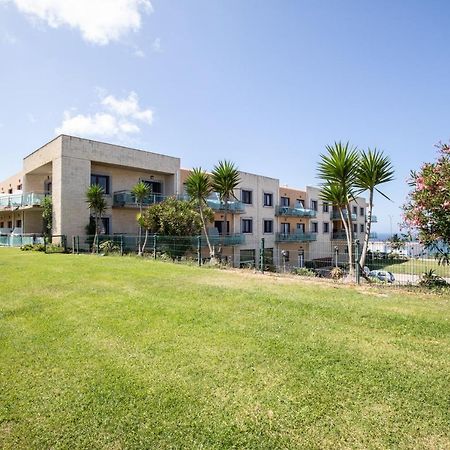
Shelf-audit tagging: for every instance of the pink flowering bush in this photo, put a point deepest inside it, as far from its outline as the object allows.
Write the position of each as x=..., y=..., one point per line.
x=427, y=209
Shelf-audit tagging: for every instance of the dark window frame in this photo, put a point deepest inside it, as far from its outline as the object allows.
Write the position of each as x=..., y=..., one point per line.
x=95, y=177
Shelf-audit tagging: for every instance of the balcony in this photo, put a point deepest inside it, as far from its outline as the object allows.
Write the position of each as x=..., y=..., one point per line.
x=335, y=215
x=295, y=237
x=126, y=199
x=18, y=201
x=228, y=240
x=294, y=212
x=341, y=236
x=233, y=206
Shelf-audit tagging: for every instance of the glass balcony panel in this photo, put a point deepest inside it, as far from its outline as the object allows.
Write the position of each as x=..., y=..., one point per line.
x=295, y=237
x=294, y=212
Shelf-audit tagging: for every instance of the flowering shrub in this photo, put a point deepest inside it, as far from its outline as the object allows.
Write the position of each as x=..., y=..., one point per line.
x=427, y=209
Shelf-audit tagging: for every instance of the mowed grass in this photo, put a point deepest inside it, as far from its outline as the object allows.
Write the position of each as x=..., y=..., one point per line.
x=122, y=353
x=413, y=267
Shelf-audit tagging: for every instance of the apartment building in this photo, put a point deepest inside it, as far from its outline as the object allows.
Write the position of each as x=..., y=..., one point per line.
x=296, y=225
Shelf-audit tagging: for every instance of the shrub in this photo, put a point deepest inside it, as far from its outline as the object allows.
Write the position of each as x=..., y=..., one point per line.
x=107, y=247
x=33, y=248
x=431, y=279
x=304, y=272
x=336, y=273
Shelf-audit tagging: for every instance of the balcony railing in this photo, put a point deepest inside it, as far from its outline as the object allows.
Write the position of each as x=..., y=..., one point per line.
x=15, y=201
x=294, y=212
x=128, y=199
x=295, y=237
x=335, y=215
x=340, y=235
x=233, y=206
x=229, y=239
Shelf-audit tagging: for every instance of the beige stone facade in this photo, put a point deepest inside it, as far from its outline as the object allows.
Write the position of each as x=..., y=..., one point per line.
x=296, y=225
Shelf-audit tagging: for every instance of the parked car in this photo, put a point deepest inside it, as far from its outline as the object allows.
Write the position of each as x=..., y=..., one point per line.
x=382, y=275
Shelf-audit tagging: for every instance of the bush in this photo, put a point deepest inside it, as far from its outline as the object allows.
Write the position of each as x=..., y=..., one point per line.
x=336, y=273
x=430, y=279
x=33, y=248
x=107, y=247
x=304, y=272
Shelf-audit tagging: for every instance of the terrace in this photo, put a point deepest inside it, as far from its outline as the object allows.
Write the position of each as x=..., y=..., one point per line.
x=295, y=237
x=21, y=201
x=294, y=212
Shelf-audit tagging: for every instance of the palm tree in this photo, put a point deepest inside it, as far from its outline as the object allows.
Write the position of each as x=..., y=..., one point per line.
x=96, y=203
x=198, y=189
x=338, y=168
x=225, y=179
x=374, y=169
x=140, y=191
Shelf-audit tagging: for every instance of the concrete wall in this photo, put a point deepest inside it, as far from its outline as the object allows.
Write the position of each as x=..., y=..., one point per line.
x=11, y=183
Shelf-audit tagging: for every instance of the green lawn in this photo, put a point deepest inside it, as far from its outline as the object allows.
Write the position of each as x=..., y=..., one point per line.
x=412, y=266
x=110, y=352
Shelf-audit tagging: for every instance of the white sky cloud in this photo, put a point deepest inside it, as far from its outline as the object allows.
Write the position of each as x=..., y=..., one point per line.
x=99, y=21
x=118, y=118
x=8, y=38
x=156, y=46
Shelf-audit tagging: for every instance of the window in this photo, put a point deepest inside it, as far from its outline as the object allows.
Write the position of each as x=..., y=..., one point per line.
x=247, y=258
x=361, y=228
x=105, y=228
x=284, y=201
x=300, y=228
x=19, y=187
x=268, y=226
x=246, y=197
x=299, y=203
x=101, y=180
x=325, y=207
x=18, y=223
x=326, y=227
x=10, y=191
x=285, y=228
x=48, y=187
x=247, y=225
x=219, y=225
x=10, y=224
x=314, y=205
x=355, y=228
x=268, y=256
x=2, y=224
x=285, y=255
x=155, y=186
x=314, y=227
x=361, y=212
x=268, y=199
x=355, y=210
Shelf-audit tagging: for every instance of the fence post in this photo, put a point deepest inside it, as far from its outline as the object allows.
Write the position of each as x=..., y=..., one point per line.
x=155, y=239
x=199, y=250
x=261, y=255
x=358, y=275
x=336, y=255
x=73, y=244
x=121, y=245
x=78, y=245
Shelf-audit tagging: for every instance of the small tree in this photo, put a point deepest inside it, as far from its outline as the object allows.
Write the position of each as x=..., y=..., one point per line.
x=225, y=179
x=427, y=209
x=47, y=217
x=198, y=188
x=141, y=191
x=97, y=204
x=174, y=219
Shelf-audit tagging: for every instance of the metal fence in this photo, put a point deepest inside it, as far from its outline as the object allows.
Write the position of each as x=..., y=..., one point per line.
x=303, y=257
x=49, y=244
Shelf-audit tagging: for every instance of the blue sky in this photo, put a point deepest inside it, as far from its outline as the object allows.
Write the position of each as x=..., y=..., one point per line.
x=266, y=84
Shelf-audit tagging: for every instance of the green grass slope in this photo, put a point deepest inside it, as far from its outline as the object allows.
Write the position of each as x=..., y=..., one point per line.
x=109, y=352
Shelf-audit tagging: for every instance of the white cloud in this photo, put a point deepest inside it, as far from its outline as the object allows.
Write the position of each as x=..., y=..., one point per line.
x=119, y=118
x=139, y=53
x=156, y=46
x=128, y=107
x=99, y=21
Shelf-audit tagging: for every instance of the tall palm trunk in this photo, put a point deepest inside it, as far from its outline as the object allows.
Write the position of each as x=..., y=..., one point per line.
x=140, y=251
x=94, y=250
x=362, y=260
x=145, y=241
x=205, y=231
x=350, y=241
x=225, y=228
